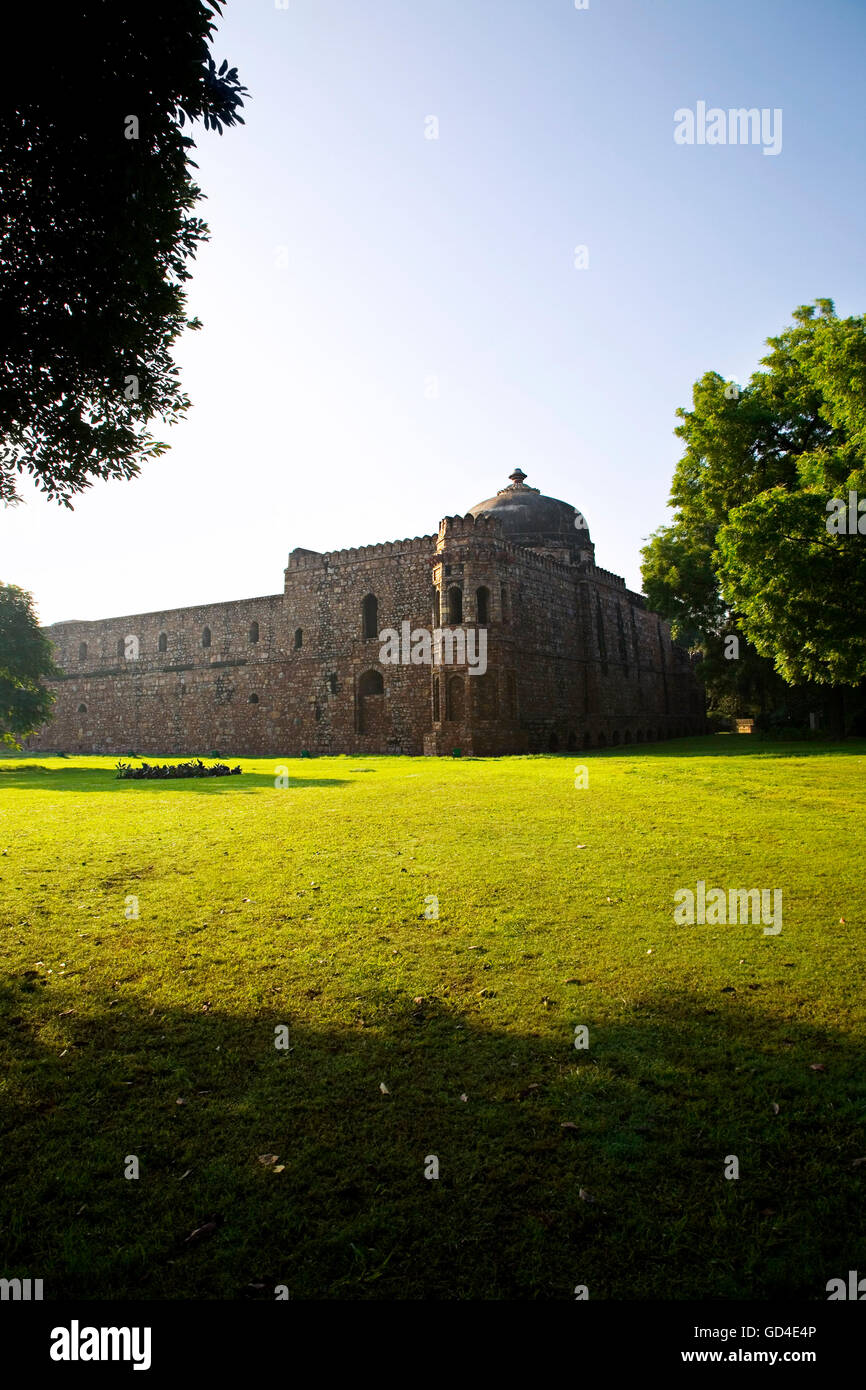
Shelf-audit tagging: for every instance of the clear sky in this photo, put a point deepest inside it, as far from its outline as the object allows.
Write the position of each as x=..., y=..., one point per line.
x=393, y=323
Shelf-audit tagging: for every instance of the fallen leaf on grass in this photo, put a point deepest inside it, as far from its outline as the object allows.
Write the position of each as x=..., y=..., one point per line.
x=568, y=1124
x=775, y=1108
x=384, y=1089
x=585, y=1196
x=857, y=1161
x=817, y=1066
x=201, y=1231
x=267, y=1159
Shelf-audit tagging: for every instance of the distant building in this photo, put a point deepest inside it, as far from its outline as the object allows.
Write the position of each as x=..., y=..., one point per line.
x=573, y=658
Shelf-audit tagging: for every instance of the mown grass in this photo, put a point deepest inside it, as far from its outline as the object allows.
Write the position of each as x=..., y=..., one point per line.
x=306, y=907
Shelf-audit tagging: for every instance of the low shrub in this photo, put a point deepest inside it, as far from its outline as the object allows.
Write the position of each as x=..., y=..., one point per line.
x=194, y=768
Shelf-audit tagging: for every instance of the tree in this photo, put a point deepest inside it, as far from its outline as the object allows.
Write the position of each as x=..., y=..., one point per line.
x=786, y=559
x=97, y=231
x=750, y=547
x=25, y=660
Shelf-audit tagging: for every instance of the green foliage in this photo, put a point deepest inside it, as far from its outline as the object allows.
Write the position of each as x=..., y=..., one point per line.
x=25, y=661
x=97, y=231
x=749, y=550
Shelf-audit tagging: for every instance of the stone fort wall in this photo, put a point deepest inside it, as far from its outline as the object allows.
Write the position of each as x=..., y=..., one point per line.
x=574, y=660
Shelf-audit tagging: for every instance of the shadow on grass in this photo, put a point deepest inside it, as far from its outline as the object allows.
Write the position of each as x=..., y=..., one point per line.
x=629, y=1199
x=83, y=779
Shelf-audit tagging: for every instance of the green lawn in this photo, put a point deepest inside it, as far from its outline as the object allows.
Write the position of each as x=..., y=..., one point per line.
x=305, y=906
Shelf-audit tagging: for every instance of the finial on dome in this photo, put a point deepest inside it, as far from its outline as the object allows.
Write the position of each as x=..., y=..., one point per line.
x=517, y=477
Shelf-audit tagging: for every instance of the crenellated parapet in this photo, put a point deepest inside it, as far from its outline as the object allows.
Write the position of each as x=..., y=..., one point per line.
x=300, y=559
x=458, y=529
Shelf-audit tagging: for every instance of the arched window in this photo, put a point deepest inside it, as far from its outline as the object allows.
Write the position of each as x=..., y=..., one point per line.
x=504, y=603
x=332, y=683
x=120, y=646
x=82, y=709
x=253, y=700
x=455, y=605
x=163, y=642
x=299, y=638
x=82, y=651
x=205, y=637
x=553, y=742
x=254, y=632
x=370, y=617
x=615, y=736
x=482, y=605
x=435, y=699
x=572, y=742
x=371, y=683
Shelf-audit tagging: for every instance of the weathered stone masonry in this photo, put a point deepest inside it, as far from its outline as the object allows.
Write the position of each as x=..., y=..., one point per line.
x=574, y=658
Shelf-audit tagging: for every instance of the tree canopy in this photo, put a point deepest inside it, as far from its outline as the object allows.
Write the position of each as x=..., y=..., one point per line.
x=753, y=546
x=25, y=661
x=97, y=230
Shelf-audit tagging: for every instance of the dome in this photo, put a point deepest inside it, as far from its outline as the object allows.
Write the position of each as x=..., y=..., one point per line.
x=530, y=518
